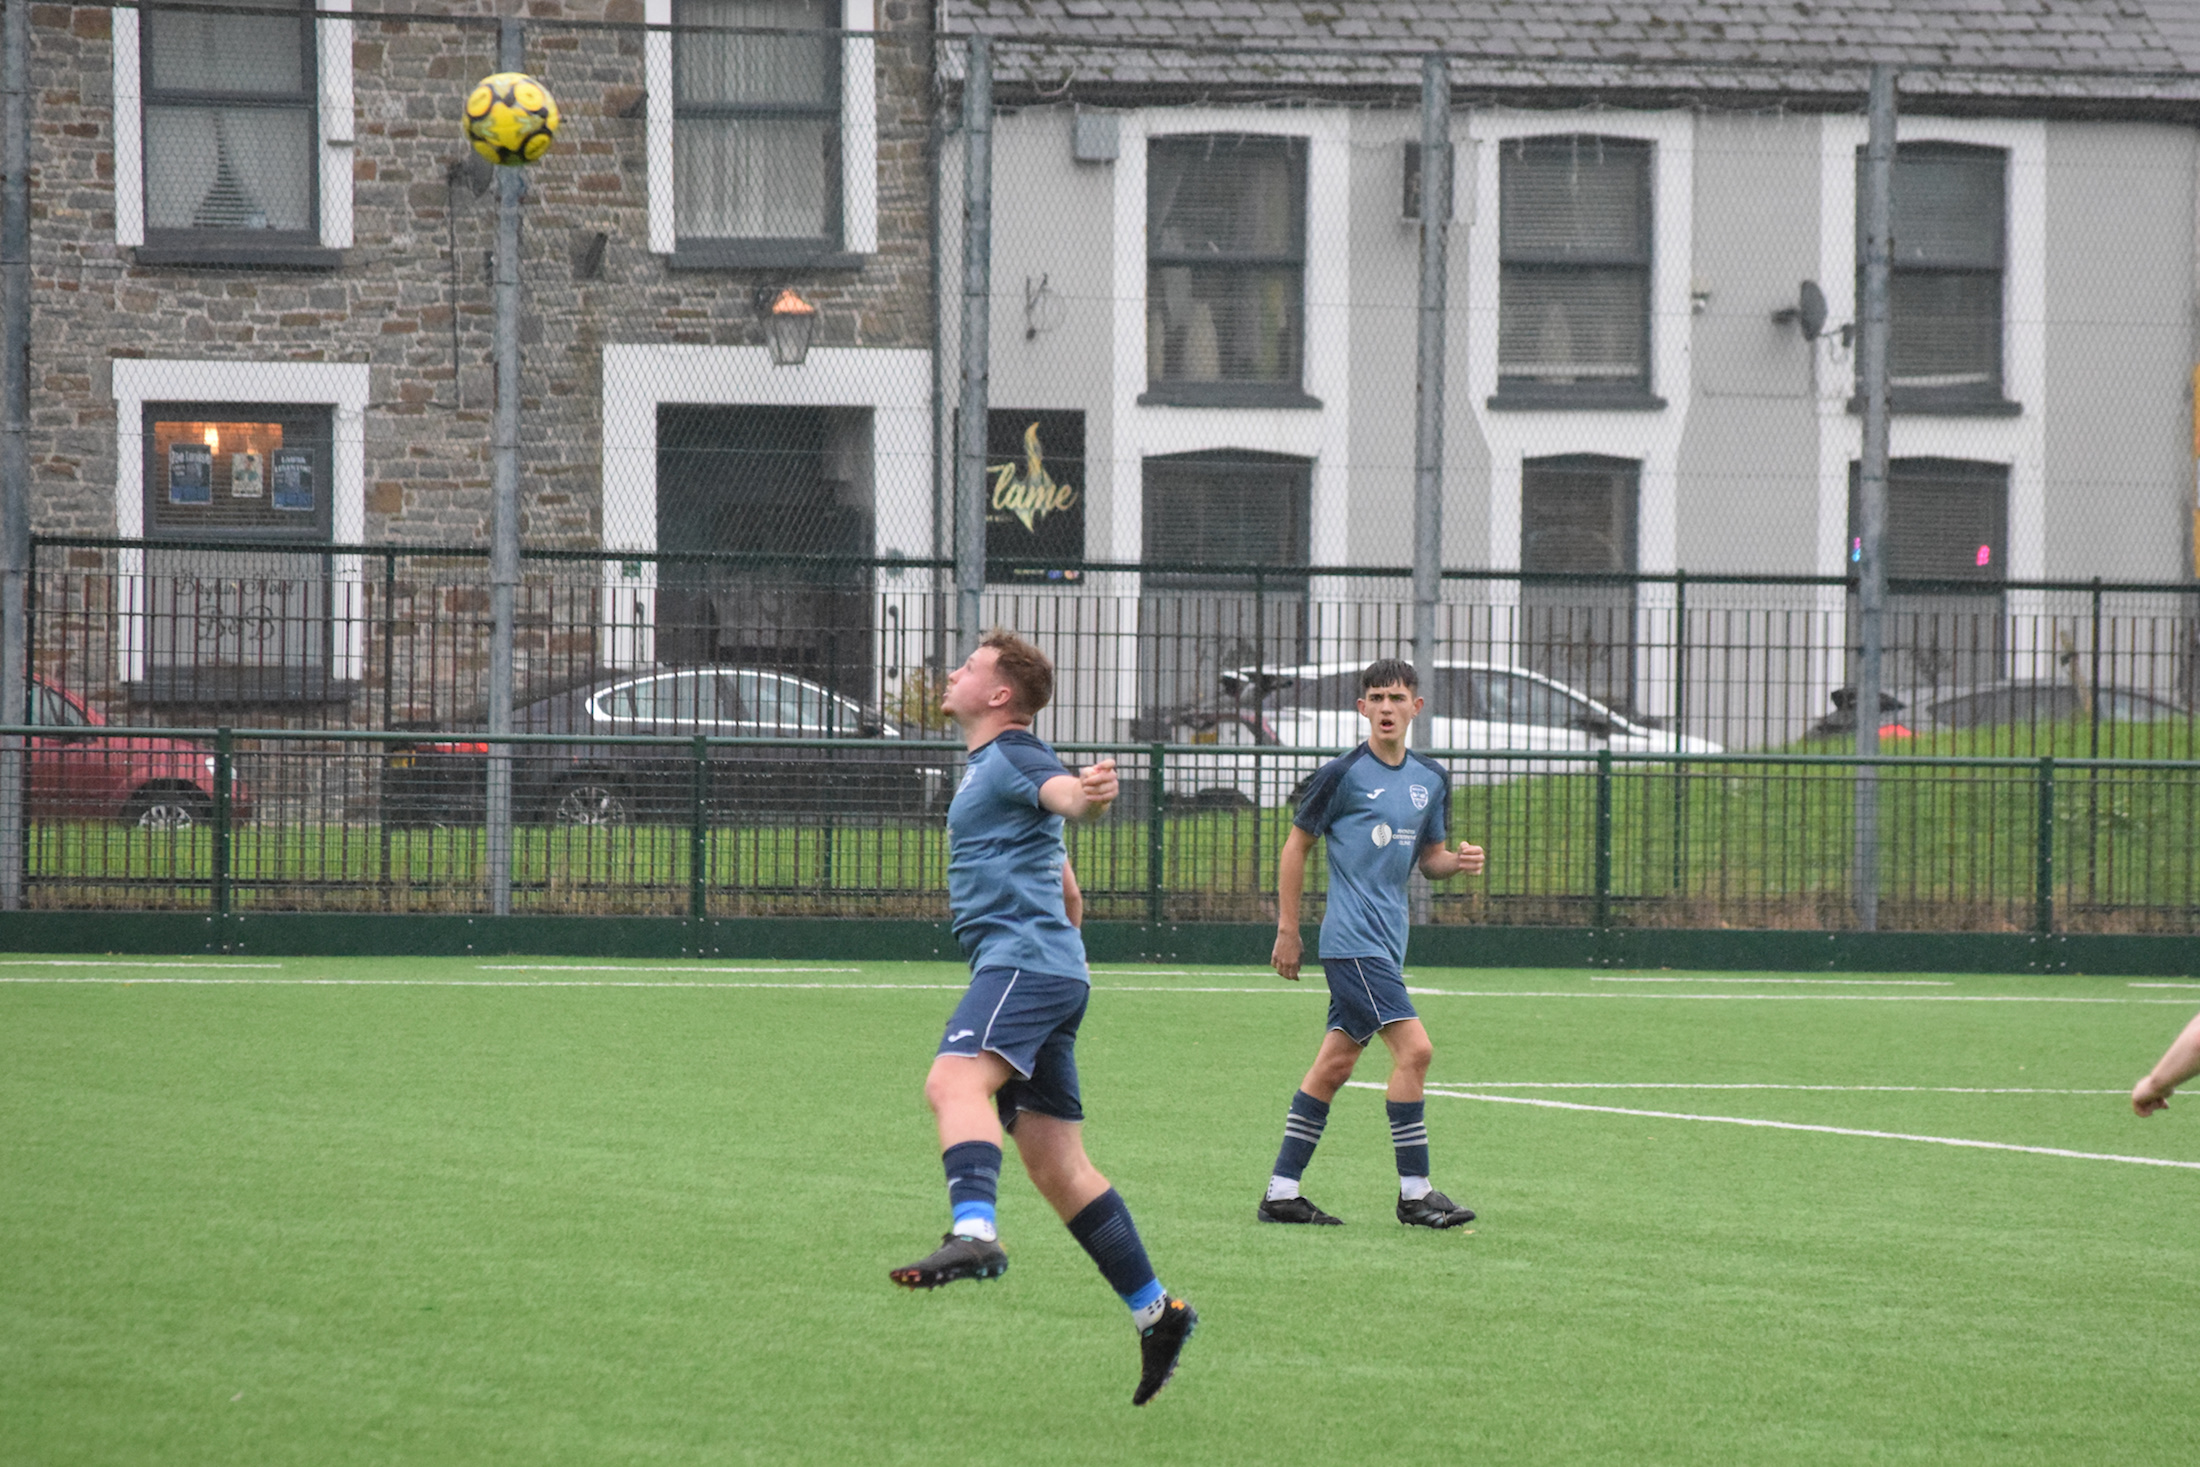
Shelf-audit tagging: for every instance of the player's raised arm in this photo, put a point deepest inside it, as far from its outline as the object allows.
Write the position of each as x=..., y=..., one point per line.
x=1082, y=796
x=1290, y=948
x=2179, y=1063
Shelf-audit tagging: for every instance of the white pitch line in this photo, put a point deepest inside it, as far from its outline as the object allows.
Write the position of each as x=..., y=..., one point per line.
x=1748, y=1085
x=632, y=968
x=1846, y=982
x=1668, y=1115
x=2162, y=985
x=1799, y=997
x=117, y=963
x=480, y=983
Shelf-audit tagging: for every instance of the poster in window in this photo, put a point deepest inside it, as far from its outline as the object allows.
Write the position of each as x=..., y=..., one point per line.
x=294, y=479
x=190, y=473
x=1035, y=494
x=247, y=479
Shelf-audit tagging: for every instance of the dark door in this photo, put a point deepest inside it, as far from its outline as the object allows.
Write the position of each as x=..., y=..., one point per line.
x=1947, y=549
x=1578, y=517
x=781, y=499
x=1231, y=525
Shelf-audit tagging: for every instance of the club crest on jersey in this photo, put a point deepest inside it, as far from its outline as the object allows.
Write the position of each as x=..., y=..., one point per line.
x=1381, y=834
x=1419, y=794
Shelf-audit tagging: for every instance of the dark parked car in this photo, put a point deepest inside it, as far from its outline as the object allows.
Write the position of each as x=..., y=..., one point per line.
x=444, y=782
x=2046, y=703
x=157, y=783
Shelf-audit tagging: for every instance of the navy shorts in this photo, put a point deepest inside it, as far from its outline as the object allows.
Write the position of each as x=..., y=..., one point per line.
x=1364, y=995
x=1029, y=1019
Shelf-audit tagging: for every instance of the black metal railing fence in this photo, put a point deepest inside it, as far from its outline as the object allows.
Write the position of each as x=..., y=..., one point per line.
x=231, y=821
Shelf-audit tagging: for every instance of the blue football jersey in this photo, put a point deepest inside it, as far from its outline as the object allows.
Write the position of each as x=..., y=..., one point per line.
x=1005, y=859
x=1377, y=818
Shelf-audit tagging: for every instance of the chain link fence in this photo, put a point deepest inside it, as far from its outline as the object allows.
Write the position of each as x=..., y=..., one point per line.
x=262, y=299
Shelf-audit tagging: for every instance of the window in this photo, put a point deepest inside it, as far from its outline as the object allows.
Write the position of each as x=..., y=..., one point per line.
x=1947, y=537
x=230, y=107
x=1573, y=321
x=756, y=130
x=1578, y=518
x=1503, y=697
x=1225, y=270
x=1945, y=289
x=230, y=624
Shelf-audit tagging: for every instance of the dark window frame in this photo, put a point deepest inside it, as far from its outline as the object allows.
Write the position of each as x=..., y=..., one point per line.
x=1236, y=392
x=234, y=246
x=1984, y=399
x=1515, y=261
x=825, y=250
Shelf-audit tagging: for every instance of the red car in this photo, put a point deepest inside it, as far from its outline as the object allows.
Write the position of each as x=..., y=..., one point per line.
x=158, y=783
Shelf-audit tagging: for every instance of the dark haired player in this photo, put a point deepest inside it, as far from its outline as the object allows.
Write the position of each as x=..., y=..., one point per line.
x=1384, y=809
x=1011, y=1042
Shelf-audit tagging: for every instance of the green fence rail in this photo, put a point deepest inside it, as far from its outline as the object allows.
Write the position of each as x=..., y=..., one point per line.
x=227, y=822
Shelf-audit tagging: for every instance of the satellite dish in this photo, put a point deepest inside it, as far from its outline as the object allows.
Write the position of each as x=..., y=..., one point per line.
x=1808, y=314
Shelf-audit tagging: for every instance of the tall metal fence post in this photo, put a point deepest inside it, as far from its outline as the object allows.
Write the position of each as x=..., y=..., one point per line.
x=1428, y=427
x=225, y=745
x=1157, y=838
x=15, y=457
x=504, y=510
x=1604, y=839
x=2043, y=885
x=1678, y=770
x=976, y=326
x=1876, y=202
x=699, y=832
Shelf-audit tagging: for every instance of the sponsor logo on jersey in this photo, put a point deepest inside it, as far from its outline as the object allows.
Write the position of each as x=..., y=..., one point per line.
x=1407, y=837
x=1371, y=794
x=1381, y=834
x=1419, y=792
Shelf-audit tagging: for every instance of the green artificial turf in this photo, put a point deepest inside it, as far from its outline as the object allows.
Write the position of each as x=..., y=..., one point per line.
x=404, y=1218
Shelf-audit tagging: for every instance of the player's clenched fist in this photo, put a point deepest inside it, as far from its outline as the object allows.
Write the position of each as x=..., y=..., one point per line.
x=1099, y=781
x=1470, y=859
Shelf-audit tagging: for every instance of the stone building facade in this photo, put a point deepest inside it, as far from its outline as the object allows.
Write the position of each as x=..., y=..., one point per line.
x=321, y=246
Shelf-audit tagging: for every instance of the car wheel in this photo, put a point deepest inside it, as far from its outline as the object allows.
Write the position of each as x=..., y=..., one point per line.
x=167, y=809
x=590, y=802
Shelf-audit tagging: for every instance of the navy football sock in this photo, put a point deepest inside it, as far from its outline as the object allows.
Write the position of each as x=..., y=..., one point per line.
x=1409, y=1134
x=1105, y=1230
x=1302, y=1132
x=973, y=1183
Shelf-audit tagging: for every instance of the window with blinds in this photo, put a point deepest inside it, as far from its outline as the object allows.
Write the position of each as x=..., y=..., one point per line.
x=1225, y=266
x=756, y=121
x=231, y=124
x=1945, y=287
x=1573, y=270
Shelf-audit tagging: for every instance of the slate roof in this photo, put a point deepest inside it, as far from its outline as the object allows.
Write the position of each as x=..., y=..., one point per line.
x=2091, y=57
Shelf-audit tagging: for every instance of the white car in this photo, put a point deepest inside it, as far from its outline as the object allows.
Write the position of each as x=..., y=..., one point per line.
x=1472, y=705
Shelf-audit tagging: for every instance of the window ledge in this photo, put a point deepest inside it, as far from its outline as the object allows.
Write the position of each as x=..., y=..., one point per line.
x=1914, y=406
x=759, y=254
x=234, y=255
x=1575, y=400
x=1226, y=395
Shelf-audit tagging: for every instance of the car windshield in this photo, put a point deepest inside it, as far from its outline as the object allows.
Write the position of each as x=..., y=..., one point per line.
x=1510, y=698
x=51, y=710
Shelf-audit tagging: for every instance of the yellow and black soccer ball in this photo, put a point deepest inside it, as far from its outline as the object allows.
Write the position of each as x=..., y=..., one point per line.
x=511, y=118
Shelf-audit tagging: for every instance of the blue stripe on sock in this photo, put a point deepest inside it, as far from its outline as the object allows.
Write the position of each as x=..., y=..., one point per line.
x=964, y=1211
x=1145, y=1298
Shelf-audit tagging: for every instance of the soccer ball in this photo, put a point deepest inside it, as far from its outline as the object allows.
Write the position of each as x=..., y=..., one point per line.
x=511, y=118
